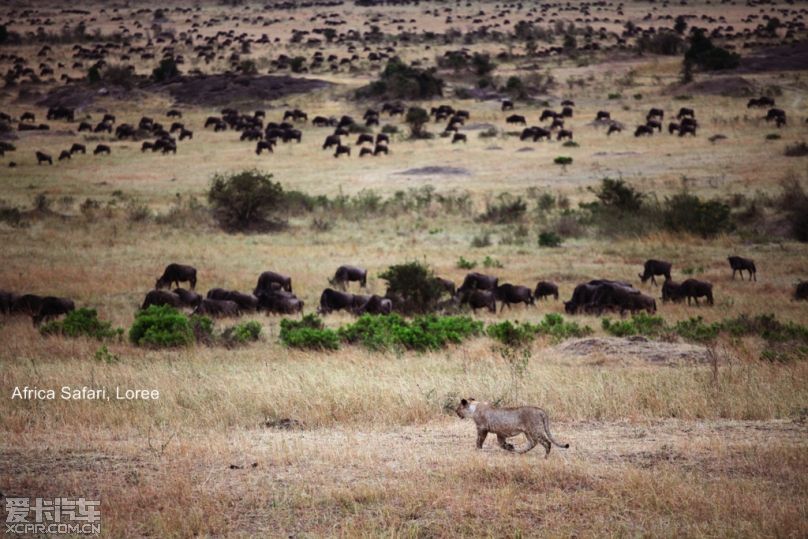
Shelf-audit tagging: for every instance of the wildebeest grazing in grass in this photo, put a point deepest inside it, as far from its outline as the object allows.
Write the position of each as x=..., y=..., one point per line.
x=101, y=148
x=188, y=297
x=375, y=304
x=655, y=267
x=42, y=157
x=267, y=278
x=51, y=307
x=245, y=302
x=334, y=300
x=177, y=273
x=479, y=281
x=346, y=274
x=459, y=137
x=545, y=289
x=217, y=307
x=508, y=294
x=479, y=299
x=739, y=264
x=161, y=297
x=801, y=291
x=695, y=289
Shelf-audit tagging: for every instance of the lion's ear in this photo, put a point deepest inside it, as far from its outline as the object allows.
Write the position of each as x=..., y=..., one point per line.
x=464, y=402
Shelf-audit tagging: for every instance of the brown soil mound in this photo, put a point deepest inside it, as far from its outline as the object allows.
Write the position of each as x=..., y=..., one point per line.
x=732, y=86
x=635, y=347
x=222, y=90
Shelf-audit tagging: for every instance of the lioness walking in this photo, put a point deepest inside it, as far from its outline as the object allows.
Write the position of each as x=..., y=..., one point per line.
x=509, y=422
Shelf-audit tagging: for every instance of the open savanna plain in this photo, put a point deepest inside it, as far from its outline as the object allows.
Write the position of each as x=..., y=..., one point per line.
x=667, y=438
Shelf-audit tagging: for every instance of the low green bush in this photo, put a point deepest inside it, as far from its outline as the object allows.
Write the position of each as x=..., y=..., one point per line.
x=548, y=238
x=553, y=325
x=82, y=322
x=166, y=327
x=562, y=160
x=639, y=324
x=429, y=332
x=462, y=263
x=308, y=333
x=242, y=333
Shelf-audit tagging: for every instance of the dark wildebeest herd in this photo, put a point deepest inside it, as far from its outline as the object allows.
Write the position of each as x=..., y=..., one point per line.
x=273, y=294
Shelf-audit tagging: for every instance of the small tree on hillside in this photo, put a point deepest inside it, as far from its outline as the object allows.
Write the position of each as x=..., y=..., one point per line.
x=415, y=284
x=416, y=118
x=245, y=200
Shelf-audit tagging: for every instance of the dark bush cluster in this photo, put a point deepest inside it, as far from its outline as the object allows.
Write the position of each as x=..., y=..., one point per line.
x=166, y=327
x=702, y=53
x=401, y=81
x=82, y=322
x=246, y=200
x=414, y=285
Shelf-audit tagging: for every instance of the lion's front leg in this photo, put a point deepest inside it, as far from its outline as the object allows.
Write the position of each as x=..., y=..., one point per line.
x=481, y=435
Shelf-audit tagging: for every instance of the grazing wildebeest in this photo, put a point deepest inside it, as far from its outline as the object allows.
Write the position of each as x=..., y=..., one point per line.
x=364, y=137
x=26, y=304
x=673, y=127
x=101, y=148
x=643, y=130
x=740, y=264
x=42, y=157
x=547, y=113
x=177, y=273
x=245, y=302
x=564, y=134
x=540, y=133
x=251, y=134
x=516, y=119
x=558, y=123
x=346, y=274
x=365, y=151
x=447, y=285
x=147, y=146
x=684, y=111
x=654, y=112
x=479, y=281
x=262, y=145
x=507, y=104
x=567, y=112
x=776, y=114
x=61, y=113
x=174, y=113
x=614, y=128
x=78, y=148
x=508, y=294
x=695, y=289
x=760, y=102
x=279, y=302
x=51, y=307
x=27, y=116
x=342, y=150
x=65, y=154
x=266, y=279
x=161, y=297
x=801, y=291
x=188, y=297
x=85, y=126
x=459, y=137
x=655, y=267
x=478, y=299
x=334, y=300
x=596, y=294
x=380, y=148
x=687, y=130
x=176, y=126
x=382, y=138
x=653, y=124
x=545, y=289
x=603, y=115
x=374, y=305
x=7, y=300
x=217, y=307
x=186, y=133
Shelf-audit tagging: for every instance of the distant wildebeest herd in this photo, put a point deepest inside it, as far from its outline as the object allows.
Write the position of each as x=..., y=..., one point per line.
x=273, y=294
x=266, y=136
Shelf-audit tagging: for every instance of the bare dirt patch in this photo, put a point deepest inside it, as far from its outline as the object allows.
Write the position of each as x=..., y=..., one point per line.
x=636, y=347
x=434, y=171
x=221, y=90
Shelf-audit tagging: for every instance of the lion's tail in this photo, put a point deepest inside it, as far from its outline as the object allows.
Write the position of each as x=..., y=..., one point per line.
x=547, y=431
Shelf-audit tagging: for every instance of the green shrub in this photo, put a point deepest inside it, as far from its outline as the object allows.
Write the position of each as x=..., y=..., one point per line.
x=505, y=209
x=161, y=327
x=773, y=136
x=688, y=213
x=553, y=325
x=617, y=194
x=559, y=329
x=490, y=262
x=512, y=334
x=664, y=43
x=308, y=333
x=462, y=263
x=82, y=322
x=429, y=332
x=400, y=81
x=695, y=329
x=707, y=56
x=416, y=118
x=390, y=129
x=639, y=324
x=548, y=238
x=242, y=333
x=415, y=284
x=570, y=144
x=167, y=70
x=483, y=240
x=562, y=160
x=245, y=200
x=103, y=355
x=615, y=96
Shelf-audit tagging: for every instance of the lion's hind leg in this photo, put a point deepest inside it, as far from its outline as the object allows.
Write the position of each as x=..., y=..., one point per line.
x=503, y=443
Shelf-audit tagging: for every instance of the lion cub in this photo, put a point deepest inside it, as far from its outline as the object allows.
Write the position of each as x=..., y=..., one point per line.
x=508, y=422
